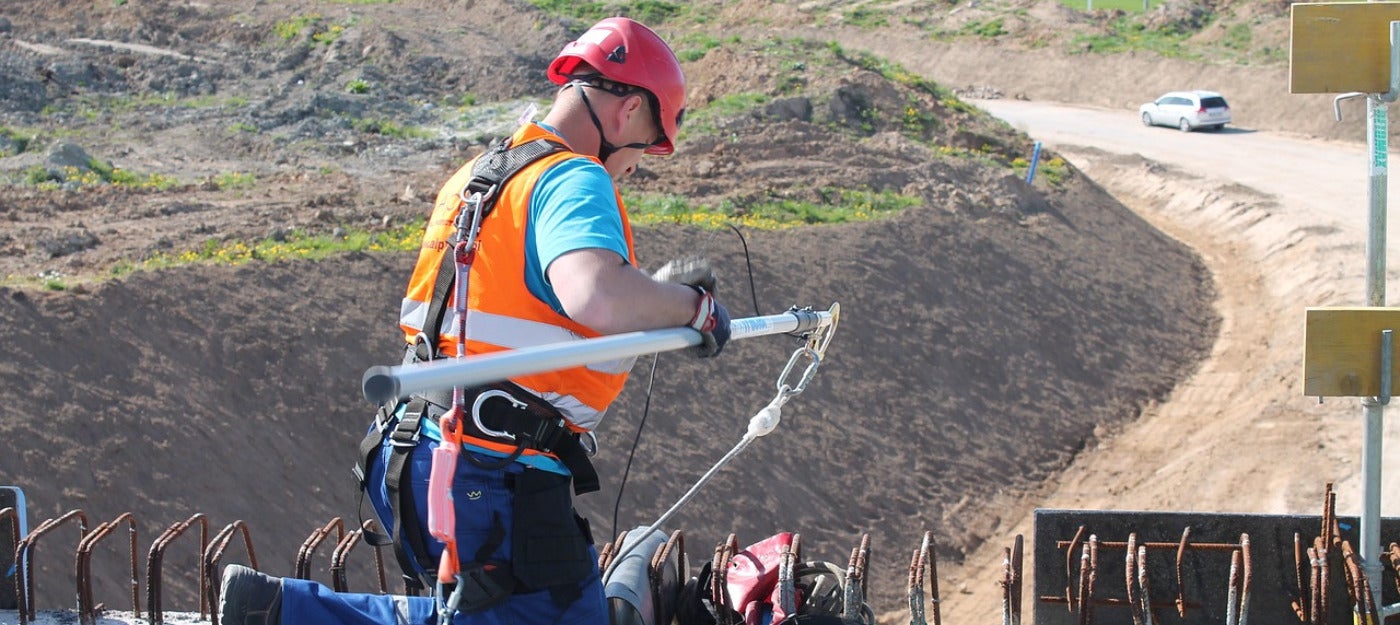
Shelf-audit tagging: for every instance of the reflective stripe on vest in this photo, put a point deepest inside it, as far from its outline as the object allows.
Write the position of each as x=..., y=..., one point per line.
x=502, y=313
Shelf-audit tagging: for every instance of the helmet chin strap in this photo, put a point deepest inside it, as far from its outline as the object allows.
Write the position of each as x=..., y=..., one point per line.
x=605, y=148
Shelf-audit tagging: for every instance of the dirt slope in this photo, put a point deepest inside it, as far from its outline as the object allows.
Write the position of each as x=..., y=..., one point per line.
x=988, y=336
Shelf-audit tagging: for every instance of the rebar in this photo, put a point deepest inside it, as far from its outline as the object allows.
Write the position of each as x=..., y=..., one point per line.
x=1180, y=576
x=213, y=553
x=24, y=559
x=1130, y=571
x=1301, y=604
x=1145, y=595
x=1232, y=613
x=853, y=602
x=719, y=574
x=1082, y=598
x=308, y=547
x=156, y=558
x=787, y=585
x=342, y=550
x=87, y=608
x=1069, y=568
x=1248, y=579
x=1315, y=586
x=676, y=545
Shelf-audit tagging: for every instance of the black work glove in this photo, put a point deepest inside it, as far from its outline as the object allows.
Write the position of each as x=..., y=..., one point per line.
x=712, y=320
x=694, y=271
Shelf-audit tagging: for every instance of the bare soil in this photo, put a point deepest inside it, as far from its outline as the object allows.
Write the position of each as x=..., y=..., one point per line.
x=988, y=337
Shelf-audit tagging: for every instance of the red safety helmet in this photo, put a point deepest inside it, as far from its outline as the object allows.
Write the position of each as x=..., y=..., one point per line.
x=623, y=50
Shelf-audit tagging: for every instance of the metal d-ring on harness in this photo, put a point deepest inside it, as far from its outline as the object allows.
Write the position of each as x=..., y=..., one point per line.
x=760, y=424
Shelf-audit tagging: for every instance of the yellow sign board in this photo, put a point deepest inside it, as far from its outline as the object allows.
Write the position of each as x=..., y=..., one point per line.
x=1341, y=47
x=1342, y=351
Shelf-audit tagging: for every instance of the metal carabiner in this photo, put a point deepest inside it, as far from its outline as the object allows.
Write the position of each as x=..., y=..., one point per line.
x=447, y=605
x=472, y=203
x=476, y=412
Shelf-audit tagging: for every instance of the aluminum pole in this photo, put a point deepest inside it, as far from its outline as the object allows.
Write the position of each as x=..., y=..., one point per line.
x=384, y=383
x=1377, y=141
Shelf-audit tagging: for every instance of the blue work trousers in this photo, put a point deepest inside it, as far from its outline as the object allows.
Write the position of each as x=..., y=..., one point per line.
x=483, y=503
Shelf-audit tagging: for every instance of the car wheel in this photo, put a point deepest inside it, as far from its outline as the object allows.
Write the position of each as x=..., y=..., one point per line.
x=1146, y=119
x=1218, y=127
x=1183, y=125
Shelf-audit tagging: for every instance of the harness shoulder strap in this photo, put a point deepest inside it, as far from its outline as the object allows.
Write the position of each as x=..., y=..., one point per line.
x=491, y=171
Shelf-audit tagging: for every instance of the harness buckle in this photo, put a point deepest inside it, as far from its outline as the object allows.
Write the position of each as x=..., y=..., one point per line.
x=476, y=412
x=407, y=431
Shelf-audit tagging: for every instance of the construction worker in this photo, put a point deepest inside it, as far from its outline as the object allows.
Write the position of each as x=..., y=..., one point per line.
x=554, y=261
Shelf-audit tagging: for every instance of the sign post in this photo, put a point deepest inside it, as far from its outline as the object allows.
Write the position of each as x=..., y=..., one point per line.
x=1354, y=48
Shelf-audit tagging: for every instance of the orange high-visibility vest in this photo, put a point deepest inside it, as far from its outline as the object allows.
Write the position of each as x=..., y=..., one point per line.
x=501, y=312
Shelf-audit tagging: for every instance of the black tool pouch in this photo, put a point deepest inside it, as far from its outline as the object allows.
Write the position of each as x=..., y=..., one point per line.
x=550, y=543
x=483, y=587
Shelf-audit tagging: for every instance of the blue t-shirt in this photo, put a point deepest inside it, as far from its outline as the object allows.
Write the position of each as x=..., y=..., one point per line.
x=573, y=207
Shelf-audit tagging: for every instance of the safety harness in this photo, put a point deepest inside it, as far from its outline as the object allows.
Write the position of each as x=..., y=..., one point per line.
x=517, y=417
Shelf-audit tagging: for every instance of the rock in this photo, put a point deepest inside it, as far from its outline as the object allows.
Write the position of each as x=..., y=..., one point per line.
x=788, y=109
x=69, y=155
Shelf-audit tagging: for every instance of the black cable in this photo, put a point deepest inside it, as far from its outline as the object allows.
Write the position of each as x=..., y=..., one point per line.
x=748, y=263
x=636, y=440
x=651, y=382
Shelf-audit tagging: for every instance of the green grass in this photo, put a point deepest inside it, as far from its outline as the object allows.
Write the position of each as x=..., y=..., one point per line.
x=1126, y=5
x=1054, y=171
x=864, y=17
x=321, y=30
x=292, y=245
x=235, y=180
x=97, y=173
x=1126, y=35
x=694, y=46
x=835, y=206
x=649, y=12
x=16, y=142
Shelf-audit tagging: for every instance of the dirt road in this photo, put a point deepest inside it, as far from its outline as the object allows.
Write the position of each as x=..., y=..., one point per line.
x=1281, y=222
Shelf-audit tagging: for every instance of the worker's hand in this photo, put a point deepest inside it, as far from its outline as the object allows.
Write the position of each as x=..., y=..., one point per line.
x=712, y=320
x=694, y=271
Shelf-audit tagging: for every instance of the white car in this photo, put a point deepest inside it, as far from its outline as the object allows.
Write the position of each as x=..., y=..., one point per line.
x=1187, y=110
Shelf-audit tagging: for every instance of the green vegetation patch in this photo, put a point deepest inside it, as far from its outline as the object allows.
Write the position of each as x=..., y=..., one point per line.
x=96, y=174
x=289, y=245
x=14, y=141
x=865, y=17
x=694, y=46
x=649, y=12
x=832, y=206
x=1123, y=5
x=1125, y=35
x=320, y=29
x=1054, y=170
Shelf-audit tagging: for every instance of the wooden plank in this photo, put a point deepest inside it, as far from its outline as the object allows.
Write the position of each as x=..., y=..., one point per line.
x=1342, y=351
x=1340, y=47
